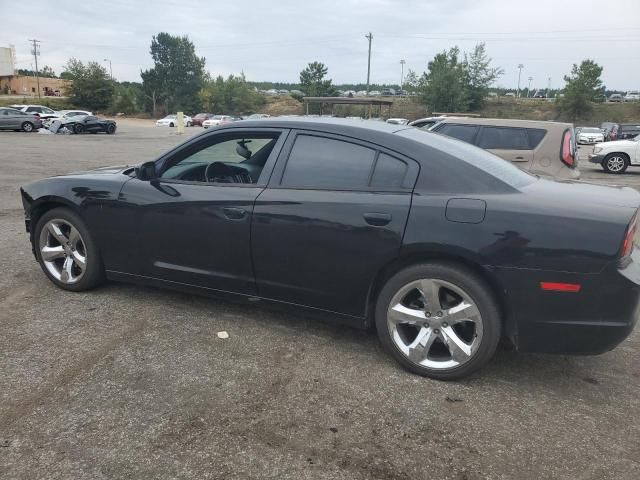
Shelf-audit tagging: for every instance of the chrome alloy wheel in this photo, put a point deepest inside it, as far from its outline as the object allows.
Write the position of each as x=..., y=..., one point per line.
x=435, y=324
x=63, y=251
x=615, y=163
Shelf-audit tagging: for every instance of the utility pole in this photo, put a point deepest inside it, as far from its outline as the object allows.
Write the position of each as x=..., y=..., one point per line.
x=520, y=67
x=529, y=87
x=402, y=62
x=369, y=37
x=35, y=51
x=110, y=69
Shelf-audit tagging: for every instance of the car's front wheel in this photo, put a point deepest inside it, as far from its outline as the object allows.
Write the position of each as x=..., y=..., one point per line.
x=78, y=128
x=438, y=320
x=111, y=129
x=615, y=163
x=66, y=251
x=27, y=127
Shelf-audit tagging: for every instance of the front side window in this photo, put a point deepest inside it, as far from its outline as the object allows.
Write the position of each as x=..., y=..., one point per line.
x=503, y=138
x=46, y=110
x=237, y=159
x=319, y=162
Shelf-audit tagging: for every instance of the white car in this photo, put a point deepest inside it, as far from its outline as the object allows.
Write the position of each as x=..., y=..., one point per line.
x=617, y=156
x=172, y=121
x=73, y=113
x=590, y=135
x=217, y=120
x=398, y=121
x=39, y=110
x=632, y=97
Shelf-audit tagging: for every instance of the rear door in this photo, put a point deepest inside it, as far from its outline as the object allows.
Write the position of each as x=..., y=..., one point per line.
x=332, y=216
x=510, y=143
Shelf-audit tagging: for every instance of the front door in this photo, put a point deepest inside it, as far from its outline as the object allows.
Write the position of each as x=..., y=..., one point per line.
x=332, y=216
x=195, y=219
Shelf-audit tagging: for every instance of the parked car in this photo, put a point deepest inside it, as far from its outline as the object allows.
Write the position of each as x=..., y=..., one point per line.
x=427, y=122
x=443, y=246
x=628, y=130
x=509, y=94
x=540, y=94
x=40, y=110
x=542, y=148
x=257, y=116
x=616, y=97
x=172, y=121
x=633, y=96
x=89, y=124
x=397, y=121
x=589, y=135
x=374, y=93
x=217, y=120
x=72, y=113
x=617, y=156
x=610, y=130
x=388, y=92
x=197, y=120
x=12, y=119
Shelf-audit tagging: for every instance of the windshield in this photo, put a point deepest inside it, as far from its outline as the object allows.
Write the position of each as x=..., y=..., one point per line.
x=170, y=117
x=590, y=130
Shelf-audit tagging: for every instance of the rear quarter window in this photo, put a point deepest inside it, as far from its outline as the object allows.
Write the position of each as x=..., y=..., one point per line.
x=503, y=138
x=535, y=136
x=466, y=133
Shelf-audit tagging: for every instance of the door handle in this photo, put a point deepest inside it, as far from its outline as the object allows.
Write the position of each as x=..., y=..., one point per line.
x=233, y=213
x=519, y=159
x=377, y=219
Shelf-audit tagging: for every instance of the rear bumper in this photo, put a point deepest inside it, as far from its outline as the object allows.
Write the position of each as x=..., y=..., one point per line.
x=596, y=158
x=592, y=321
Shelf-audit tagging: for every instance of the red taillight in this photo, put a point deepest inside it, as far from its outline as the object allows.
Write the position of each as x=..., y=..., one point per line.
x=560, y=287
x=567, y=153
x=627, y=243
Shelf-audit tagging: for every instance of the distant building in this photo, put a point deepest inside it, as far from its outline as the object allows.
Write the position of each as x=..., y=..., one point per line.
x=13, y=84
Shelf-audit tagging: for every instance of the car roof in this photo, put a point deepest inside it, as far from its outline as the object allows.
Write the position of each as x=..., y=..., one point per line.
x=324, y=123
x=504, y=122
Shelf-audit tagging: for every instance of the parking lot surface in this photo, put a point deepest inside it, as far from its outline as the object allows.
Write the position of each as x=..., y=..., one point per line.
x=132, y=382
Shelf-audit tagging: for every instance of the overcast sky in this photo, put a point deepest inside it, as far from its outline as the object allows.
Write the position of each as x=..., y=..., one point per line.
x=273, y=40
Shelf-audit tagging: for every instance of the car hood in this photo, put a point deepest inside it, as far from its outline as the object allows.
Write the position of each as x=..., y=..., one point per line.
x=102, y=171
x=617, y=144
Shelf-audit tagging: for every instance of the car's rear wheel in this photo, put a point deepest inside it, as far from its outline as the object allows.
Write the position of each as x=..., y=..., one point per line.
x=438, y=320
x=615, y=163
x=66, y=251
x=78, y=128
x=111, y=129
x=27, y=127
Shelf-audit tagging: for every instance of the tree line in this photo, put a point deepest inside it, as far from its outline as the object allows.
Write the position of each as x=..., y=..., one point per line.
x=453, y=81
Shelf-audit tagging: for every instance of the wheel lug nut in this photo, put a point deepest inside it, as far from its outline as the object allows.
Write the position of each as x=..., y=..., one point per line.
x=426, y=324
x=445, y=324
x=428, y=314
x=439, y=314
x=436, y=331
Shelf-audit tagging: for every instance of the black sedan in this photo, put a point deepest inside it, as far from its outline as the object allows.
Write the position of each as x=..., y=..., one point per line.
x=443, y=247
x=89, y=123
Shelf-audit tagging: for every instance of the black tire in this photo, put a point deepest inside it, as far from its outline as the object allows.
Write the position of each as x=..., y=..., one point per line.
x=476, y=289
x=93, y=274
x=171, y=125
x=111, y=129
x=27, y=127
x=78, y=128
x=611, y=163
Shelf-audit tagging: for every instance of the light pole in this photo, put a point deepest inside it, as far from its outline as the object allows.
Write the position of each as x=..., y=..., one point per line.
x=110, y=68
x=369, y=37
x=520, y=67
x=402, y=62
x=529, y=87
x=548, y=86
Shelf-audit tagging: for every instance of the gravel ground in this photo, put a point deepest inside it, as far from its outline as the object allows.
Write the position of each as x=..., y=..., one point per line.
x=132, y=382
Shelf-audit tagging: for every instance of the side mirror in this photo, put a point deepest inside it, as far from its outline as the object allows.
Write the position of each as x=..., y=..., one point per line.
x=146, y=171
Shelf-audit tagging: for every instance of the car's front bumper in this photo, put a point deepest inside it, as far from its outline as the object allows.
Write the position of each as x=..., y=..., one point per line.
x=593, y=158
x=589, y=322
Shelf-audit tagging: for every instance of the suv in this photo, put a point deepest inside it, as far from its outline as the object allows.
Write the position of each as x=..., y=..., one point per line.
x=628, y=131
x=616, y=97
x=632, y=97
x=543, y=148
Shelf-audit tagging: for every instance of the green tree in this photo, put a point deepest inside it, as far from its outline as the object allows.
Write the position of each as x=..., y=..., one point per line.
x=313, y=83
x=45, y=72
x=230, y=96
x=583, y=86
x=91, y=86
x=442, y=86
x=478, y=76
x=127, y=98
x=410, y=81
x=177, y=75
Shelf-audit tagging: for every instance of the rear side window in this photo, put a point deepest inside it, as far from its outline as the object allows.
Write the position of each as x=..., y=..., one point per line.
x=535, y=136
x=466, y=133
x=389, y=172
x=327, y=163
x=503, y=138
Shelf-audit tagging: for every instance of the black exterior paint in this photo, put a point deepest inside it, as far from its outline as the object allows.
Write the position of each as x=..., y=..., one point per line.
x=331, y=250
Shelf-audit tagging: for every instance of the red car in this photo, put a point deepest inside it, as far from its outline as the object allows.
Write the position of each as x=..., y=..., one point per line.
x=199, y=118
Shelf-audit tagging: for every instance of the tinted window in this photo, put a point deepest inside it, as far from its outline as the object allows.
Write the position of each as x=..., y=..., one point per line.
x=466, y=133
x=504, y=138
x=389, y=172
x=326, y=163
x=535, y=136
x=476, y=157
